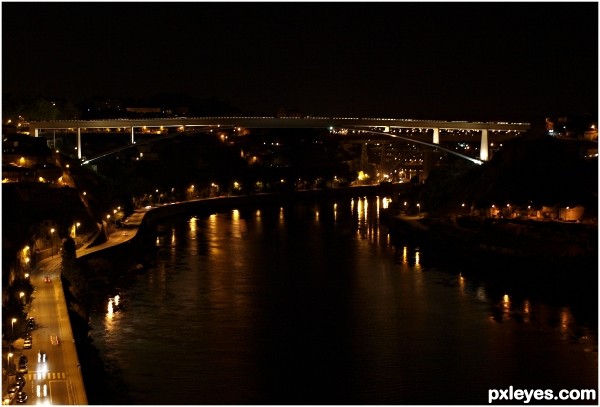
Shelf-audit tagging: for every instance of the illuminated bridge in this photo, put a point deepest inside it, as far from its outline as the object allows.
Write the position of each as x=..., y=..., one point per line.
x=382, y=124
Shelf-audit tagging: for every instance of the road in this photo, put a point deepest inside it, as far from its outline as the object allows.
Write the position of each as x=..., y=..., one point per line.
x=58, y=380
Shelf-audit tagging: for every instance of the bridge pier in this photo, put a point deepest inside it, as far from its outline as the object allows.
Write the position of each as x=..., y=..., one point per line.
x=132, y=136
x=427, y=165
x=436, y=136
x=79, y=143
x=483, y=150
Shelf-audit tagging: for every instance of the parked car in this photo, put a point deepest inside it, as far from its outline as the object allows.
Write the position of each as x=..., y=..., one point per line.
x=20, y=381
x=12, y=390
x=22, y=364
x=11, y=393
x=21, y=397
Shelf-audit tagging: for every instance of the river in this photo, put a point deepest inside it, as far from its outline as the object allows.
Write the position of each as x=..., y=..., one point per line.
x=312, y=303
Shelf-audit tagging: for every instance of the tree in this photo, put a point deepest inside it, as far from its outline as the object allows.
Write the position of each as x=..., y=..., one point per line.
x=41, y=109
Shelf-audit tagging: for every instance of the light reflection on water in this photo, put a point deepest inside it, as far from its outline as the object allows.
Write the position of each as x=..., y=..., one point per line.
x=312, y=304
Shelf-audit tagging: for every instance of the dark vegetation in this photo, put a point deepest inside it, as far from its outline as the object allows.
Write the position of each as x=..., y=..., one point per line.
x=540, y=171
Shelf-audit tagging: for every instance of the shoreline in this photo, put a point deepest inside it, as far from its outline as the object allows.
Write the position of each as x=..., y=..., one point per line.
x=532, y=242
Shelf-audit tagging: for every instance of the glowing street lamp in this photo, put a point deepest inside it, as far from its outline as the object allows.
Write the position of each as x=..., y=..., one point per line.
x=52, y=241
x=8, y=356
x=12, y=333
x=74, y=230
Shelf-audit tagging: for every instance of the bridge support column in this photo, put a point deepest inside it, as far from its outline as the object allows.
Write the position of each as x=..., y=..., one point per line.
x=132, y=136
x=436, y=136
x=36, y=132
x=79, y=143
x=483, y=150
x=427, y=165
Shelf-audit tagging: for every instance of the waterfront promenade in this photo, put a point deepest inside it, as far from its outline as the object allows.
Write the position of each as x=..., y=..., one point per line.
x=53, y=295
x=50, y=310
x=49, y=307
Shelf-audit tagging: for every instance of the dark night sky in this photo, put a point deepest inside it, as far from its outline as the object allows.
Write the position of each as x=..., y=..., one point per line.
x=455, y=61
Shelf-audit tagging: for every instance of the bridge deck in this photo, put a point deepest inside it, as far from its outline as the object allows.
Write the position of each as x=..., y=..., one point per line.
x=285, y=122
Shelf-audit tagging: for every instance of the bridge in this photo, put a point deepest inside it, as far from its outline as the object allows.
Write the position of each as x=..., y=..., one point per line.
x=384, y=124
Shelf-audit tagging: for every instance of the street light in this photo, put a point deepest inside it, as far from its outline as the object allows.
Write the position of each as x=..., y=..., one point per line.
x=52, y=240
x=74, y=229
x=8, y=356
x=12, y=331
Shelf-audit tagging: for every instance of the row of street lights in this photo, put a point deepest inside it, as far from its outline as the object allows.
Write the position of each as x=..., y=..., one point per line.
x=10, y=348
x=8, y=356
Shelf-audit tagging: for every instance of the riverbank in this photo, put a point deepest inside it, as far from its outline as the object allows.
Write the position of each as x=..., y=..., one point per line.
x=325, y=279
x=143, y=220
x=125, y=248
x=528, y=242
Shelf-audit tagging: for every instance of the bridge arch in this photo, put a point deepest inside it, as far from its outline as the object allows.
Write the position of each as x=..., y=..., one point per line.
x=433, y=145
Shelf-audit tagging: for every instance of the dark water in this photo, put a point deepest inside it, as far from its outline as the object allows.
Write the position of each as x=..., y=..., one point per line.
x=312, y=304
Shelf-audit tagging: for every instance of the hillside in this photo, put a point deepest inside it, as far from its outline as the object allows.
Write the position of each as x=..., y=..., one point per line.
x=526, y=172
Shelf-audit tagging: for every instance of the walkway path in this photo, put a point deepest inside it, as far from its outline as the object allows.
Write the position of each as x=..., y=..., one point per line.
x=46, y=300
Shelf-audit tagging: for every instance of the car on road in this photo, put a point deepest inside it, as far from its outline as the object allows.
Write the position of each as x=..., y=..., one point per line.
x=22, y=364
x=42, y=391
x=47, y=279
x=20, y=381
x=27, y=342
x=31, y=322
x=21, y=397
x=54, y=340
x=10, y=394
x=42, y=356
